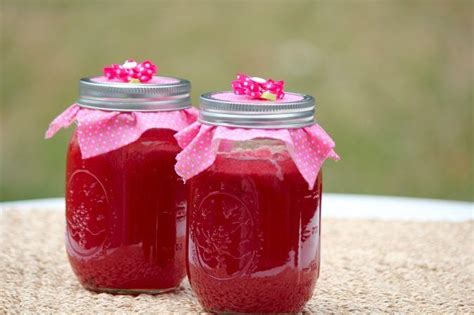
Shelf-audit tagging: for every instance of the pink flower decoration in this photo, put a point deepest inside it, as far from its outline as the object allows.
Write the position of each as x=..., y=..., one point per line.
x=131, y=71
x=258, y=88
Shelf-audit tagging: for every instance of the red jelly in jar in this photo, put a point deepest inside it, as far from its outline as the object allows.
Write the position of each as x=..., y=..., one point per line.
x=254, y=232
x=253, y=220
x=126, y=207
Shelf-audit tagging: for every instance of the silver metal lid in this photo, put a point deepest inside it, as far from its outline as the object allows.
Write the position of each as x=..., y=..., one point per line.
x=117, y=96
x=257, y=114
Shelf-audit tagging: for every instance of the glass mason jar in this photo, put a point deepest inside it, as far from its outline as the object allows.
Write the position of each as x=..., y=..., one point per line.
x=125, y=209
x=253, y=223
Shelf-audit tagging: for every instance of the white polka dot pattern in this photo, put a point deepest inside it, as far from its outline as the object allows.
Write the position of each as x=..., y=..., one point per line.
x=100, y=131
x=309, y=147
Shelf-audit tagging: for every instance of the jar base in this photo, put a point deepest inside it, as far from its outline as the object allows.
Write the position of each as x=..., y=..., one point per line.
x=245, y=313
x=132, y=291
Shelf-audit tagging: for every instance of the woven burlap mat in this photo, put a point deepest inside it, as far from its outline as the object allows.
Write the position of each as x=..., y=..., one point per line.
x=367, y=266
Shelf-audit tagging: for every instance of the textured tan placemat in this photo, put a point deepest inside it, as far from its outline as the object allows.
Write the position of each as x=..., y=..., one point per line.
x=367, y=266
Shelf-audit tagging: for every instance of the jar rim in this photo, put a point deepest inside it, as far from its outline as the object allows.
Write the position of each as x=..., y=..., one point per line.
x=121, y=96
x=248, y=113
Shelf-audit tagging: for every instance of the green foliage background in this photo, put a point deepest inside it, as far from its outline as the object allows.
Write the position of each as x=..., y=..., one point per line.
x=393, y=79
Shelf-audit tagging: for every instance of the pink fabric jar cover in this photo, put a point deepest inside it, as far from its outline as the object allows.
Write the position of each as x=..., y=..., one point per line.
x=309, y=146
x=100, y=131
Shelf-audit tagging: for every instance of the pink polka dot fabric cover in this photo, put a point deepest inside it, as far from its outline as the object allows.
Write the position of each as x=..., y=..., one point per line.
x=101, y=131
x=244, y=99
x=154, y=80
x=309, y=147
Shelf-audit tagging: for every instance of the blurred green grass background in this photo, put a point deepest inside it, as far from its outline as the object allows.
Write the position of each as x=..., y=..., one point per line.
x=393, y=79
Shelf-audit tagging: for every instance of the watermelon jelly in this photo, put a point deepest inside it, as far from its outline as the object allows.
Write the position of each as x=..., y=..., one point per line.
x=252, y=167
x=125, y=204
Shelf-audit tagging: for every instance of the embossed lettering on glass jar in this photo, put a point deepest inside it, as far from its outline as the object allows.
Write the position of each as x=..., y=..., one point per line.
x=254, y=202
x=125, y=204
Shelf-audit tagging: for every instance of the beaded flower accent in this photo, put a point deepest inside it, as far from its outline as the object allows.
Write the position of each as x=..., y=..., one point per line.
x=131, y=71
x=258, y=88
